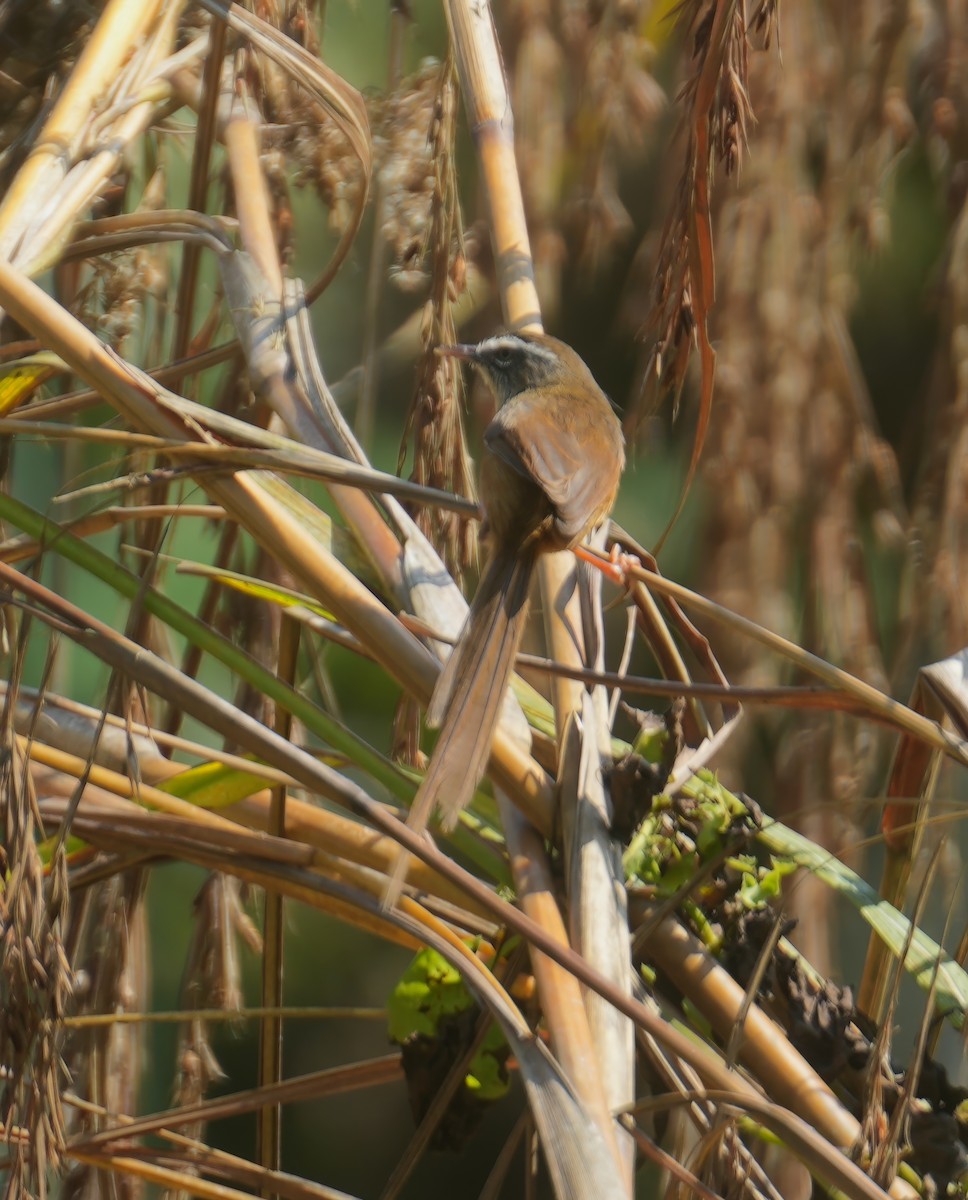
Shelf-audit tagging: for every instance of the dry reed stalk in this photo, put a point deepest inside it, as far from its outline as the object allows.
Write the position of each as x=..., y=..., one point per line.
x=561, y=997
x=121, y=1168
x=708, y=1066
x=271, y=521
x=589, y=65
x=483, y=87
x=198, y=183
x=337, y=847
x=539, y=99
x=329, y=885
x=788, y=1079
x=47, y=197
x=341, y=847
x=250, y=192
x=878, y=705
x=593, y=870
x=488, y=105
x=121, y=26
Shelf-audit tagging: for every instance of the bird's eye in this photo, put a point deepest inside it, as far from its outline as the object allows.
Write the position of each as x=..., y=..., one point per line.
x=502, y=362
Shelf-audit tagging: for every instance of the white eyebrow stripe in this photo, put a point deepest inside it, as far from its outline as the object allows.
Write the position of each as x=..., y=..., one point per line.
x=509, y=341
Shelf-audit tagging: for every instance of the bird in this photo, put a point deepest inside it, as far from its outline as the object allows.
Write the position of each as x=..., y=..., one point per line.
x=553, y=461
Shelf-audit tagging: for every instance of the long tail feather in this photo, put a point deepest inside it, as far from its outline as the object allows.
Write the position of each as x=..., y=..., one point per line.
x=467, y=699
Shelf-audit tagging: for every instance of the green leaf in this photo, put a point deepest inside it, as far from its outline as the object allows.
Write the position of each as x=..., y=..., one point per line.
x=429, y=990
x=762, y=886
x=891, y=926
x=212, y=785
x=256, y=589
x=650, y=742
x=894, y=929
x=430, y=993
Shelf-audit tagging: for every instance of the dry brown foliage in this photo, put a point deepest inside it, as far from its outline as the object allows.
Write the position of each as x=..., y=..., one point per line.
x=698, y=187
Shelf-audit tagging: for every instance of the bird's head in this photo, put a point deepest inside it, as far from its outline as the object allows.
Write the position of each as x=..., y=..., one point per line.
x=519, y=362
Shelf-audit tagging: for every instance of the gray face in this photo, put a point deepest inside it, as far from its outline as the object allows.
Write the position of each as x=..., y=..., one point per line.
x=513, y=364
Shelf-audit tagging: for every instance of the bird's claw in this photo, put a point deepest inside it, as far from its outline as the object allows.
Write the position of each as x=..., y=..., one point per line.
x=622, y=567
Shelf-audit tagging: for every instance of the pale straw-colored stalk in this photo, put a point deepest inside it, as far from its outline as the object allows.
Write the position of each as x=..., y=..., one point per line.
x=601, y=1070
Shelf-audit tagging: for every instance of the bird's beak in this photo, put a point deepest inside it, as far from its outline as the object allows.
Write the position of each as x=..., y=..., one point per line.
x=467, y=353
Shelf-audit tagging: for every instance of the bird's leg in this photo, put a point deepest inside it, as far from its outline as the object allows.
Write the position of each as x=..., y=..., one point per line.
x=617, y=568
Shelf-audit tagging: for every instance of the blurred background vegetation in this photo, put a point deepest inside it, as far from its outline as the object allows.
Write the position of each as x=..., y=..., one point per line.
x=830, y=502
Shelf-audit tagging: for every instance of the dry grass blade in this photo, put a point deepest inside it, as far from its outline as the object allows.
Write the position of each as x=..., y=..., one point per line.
x=185, y=1182
x=879, y=705
x=310, y=464
x=199, y=181
x=708, y=1066
x=168, y=172
x=35, y=977
x=275, y=517
x=222, y=716
x=939, y=695
x=273, y=962
x=174, y=1167
x=333, y=1081
x=126, y=230
x=560, y=993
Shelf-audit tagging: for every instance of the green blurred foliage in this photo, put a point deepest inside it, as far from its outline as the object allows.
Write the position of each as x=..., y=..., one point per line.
x=354, y=1141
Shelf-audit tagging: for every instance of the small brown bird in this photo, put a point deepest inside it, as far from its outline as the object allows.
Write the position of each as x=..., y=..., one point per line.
x=552, y=471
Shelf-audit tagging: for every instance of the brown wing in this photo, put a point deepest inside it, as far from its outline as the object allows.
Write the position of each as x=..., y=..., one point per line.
x=553, y=455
